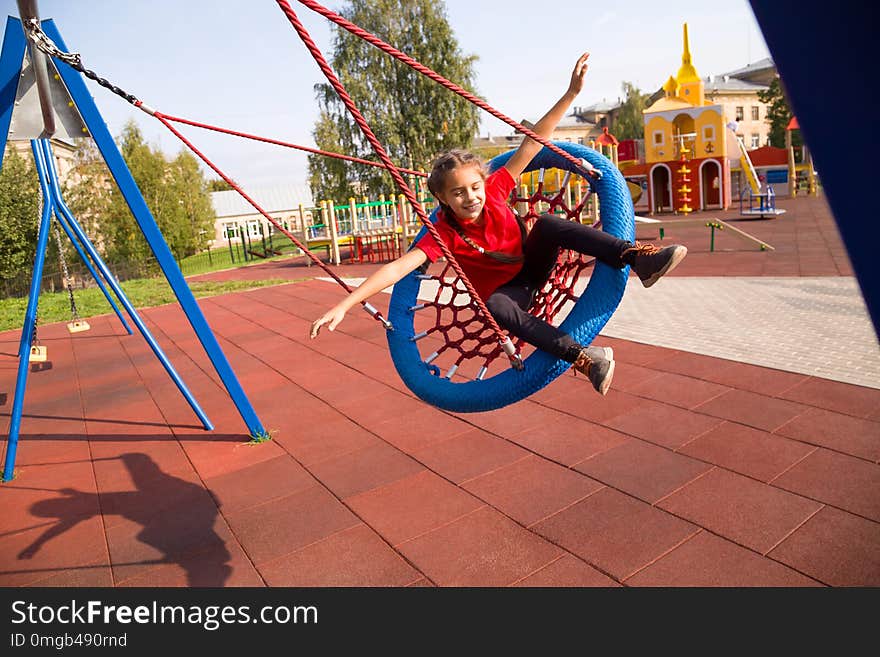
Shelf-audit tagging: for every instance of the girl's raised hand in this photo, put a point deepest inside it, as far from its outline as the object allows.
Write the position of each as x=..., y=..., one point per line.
x=332, y=317
x=577, y=75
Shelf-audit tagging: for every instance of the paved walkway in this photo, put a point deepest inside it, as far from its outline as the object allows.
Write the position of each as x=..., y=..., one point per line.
x=814, y=326
x=693, y=471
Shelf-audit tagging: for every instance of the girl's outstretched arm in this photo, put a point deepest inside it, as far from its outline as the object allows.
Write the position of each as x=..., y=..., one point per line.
x=545, y=127
x=380, y=279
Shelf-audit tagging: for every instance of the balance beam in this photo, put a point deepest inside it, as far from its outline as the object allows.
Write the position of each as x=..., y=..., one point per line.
x=710, y=223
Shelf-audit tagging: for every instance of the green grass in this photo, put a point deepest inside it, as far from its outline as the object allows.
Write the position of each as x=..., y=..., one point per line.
x=142, y=292
x=201, y=263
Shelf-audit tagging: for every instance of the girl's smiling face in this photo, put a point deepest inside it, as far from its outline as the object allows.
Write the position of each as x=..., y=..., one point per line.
x=464, y=192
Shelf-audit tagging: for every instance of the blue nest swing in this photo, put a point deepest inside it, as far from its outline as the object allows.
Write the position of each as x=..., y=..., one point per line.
x=588, y=316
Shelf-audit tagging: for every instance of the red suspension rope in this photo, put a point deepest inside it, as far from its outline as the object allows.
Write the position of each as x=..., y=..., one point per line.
x=286, y=144
x=436, y=77
x=165, y=121
x=395, y=174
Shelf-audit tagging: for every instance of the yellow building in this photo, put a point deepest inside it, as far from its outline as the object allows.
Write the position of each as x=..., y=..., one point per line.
x=686, y=145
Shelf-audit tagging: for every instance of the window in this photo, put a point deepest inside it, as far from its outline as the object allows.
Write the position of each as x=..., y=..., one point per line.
x=658, y=138
x=739, y=113
x=581, y=141
x=230, y=230
x=756, y=113
x=708, y=133
x=756, y=140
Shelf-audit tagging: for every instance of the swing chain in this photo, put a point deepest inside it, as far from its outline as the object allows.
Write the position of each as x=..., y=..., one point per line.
x=43, y=43
x=74, y=314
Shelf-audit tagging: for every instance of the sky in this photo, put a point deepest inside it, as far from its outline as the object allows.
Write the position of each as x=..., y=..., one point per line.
x=242, y=66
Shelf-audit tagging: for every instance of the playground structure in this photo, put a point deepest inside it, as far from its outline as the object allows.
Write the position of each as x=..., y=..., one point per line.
x=762, y=198
x=683, y=130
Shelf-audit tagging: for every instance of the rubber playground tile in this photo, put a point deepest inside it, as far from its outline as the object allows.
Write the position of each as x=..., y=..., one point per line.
x=29, y=502
x=35, y=554
x=836, y=548
x=37, y=481
x=364, y=469
x=636, y=353
x=760, y=380
x=281, y=526
x=92, y=575
x=46, y=419
x=353, y=557
x=363, y=387
x=325, y=441
x=412, y=506
x=384, y=404
x=171, y=536
x=678, y=390
x=614, y=532
x=663, y=424
x=570, y=440
x=532, y=489
x=751, y=452
x=219, y=565
x=629, y=377
x=837, y=479
x=469, y=455
x=754, y=410
x=417, y=430
x=710, y=561
x=514, y=418
x=584, y=402
x=483, y=548
x=567, y=571
x=747, y=512
x=120, y=464
x=143, y=500
x=215, y=456
x=44, y=450
x=294, y=404
x=258, y=483
x=836, y=396
x=643, y=470
x=841, y=433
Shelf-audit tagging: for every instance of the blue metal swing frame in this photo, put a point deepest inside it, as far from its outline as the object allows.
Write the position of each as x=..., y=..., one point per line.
x=11, y=58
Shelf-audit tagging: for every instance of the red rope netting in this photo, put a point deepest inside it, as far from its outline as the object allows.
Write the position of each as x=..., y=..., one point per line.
x=462, y=334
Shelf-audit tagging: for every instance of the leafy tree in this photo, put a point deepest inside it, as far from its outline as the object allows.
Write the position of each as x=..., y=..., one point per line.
x=176, y=193
x=413, y=117
x=192, y=224
x=19, y=214
x=630, y=122
x=218, y=185
x=87, y=189
x=122, y=237
x=778, y=114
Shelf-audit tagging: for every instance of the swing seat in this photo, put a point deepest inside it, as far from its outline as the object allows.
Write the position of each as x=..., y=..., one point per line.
x=589, y=315
x=78, y=326
x=38, y=354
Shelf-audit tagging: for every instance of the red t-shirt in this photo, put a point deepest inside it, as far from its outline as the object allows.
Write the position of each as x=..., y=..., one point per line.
x=499, y=231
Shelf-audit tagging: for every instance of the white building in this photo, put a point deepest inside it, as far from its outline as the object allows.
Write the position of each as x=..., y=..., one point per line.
x=289, y=205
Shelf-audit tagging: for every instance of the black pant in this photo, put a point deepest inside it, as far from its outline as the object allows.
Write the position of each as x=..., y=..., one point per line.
x=509, y=303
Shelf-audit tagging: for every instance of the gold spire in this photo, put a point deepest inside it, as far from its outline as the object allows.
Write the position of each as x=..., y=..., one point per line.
x=687, y=72
x=671, y=87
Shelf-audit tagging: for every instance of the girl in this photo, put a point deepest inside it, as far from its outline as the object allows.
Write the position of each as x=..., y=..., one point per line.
x=505, y=269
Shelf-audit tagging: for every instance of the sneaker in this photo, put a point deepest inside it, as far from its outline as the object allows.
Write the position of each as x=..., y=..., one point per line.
x=596, y=353
x=596, y=367
x=650, y=263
